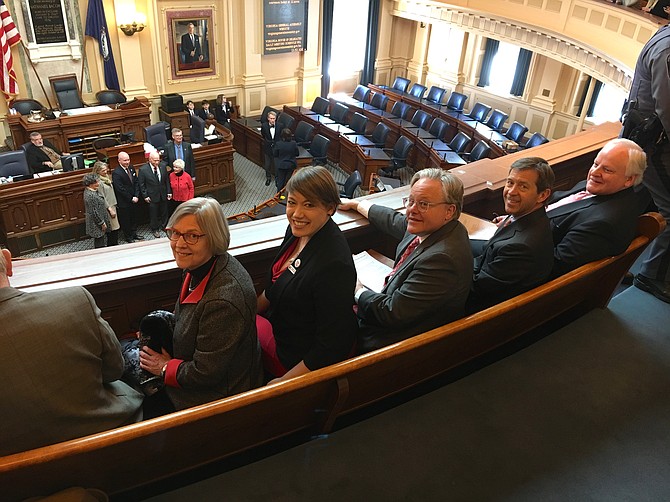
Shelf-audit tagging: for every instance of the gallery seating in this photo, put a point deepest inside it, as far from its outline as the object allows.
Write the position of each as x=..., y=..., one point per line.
x=398, y=154
x=379, y=101
x=480, y=151
x=319, y=149
x=420, y=119
x=535, y=140
x=361, y=93
x=350, y=185
x=400, y=109
x=379, y=135
x=320, y=106
x=460, y=142
x=303, y=133
x=358, y=123
x=339, y=113
x=284, y=121
x=438, y=128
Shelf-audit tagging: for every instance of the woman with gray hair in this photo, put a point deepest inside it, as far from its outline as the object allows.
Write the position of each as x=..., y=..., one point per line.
x=97, y=217
x=182, y=185
x=107, y=191
x=215, y=349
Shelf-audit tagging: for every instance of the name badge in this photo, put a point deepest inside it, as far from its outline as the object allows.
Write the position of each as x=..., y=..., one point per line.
x=291, y=269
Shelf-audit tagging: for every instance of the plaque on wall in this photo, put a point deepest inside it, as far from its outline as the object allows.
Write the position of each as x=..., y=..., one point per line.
x=285, y=26
x=48, y=22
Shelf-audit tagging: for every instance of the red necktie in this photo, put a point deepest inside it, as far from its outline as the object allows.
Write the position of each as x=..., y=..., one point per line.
x=408, y=251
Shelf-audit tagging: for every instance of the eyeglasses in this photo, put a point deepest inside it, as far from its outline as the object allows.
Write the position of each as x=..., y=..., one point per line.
x=189, y=237
x=422, y=205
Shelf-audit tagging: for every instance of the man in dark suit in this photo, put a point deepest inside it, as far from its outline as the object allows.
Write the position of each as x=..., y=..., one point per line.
x=156, y=191
x=222, y=110
x=270, y=134
x=41, y=155
x=190, y=45
x=430, y=281
x=598, y=217
x=520, y=255
x=180, y=149
x=61, y=365
x=204, y=112
x=127, y=191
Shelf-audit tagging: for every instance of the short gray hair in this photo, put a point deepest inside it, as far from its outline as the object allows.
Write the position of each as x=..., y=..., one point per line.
x=89, y=179
x=209, y=215
x=452, y=186
x=179, y=163
x=637, y=159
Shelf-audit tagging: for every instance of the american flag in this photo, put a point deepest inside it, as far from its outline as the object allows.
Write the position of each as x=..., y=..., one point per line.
x=9, y=37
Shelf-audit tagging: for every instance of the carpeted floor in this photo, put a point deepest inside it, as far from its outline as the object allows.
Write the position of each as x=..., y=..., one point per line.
x=581, y=414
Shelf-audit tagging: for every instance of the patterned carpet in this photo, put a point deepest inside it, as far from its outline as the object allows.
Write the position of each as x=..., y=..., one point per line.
x=250, y=188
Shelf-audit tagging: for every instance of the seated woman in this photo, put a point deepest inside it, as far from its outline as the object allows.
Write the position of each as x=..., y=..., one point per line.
x=216, y=352
x=307, y=320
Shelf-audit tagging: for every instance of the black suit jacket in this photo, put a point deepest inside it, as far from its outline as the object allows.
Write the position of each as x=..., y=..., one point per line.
x=151, y=187
x=311, y=310
x=428, y=290
x=35, y=156
x=202, y=114
x=189, y=161
x=286, y=153
x=517, y=258
x=593, y=228
x=187, y=47
x=124, y=189
x=222, y=112
x=268, y=141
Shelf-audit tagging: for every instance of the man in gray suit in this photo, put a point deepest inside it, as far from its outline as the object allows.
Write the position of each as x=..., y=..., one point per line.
x=156, y=191
x=60, y=368
x=430, y=281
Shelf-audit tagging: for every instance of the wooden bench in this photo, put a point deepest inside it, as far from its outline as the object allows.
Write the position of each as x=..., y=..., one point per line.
x=136, y=455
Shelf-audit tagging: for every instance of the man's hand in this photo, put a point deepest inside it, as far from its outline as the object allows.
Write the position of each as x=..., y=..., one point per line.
x=348, y=205
x=135, y=199
x=147, y=200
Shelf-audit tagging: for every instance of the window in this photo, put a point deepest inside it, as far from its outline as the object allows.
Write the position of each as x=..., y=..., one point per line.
x=350, y=20
x=503, y=69
x=608, y=104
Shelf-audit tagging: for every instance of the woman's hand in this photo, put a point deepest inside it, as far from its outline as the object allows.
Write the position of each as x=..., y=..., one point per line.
x=152, y=361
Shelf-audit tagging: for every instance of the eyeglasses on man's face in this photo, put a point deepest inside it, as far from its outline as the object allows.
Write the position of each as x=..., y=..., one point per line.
x=189, y=237
x=421, y=205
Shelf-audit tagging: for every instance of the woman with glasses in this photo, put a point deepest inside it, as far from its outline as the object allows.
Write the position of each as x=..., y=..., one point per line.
x=306, y=312
x=215, y=348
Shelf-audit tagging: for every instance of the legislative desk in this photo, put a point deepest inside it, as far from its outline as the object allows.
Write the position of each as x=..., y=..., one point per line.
x=75, y=133
x=46, y=211
x=130, y=280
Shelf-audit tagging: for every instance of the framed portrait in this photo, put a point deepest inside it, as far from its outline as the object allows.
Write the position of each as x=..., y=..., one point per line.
x=190, y=38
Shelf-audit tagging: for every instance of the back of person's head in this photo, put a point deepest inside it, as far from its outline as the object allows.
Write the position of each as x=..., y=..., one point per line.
x=211, y=219
x=316, y=184
x=637, y=158
x=452, y=187
x=545, y=174
x=89, y=179
x=286, y=134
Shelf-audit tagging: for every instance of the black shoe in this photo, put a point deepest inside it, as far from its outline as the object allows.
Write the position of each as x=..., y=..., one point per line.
x=138, y=237
x=130, y=240
x=659, y=289
x=157, y=234
x=627, y=279
x=267, y=182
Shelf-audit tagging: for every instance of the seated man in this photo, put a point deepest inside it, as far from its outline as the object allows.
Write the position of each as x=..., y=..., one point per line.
x=520, y=255
x=430, y=281
x=60, y=368
x=598, y=217
x=42, y=156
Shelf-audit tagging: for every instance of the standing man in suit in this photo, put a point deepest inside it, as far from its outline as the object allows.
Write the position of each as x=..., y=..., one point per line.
x=190, y=45
x=651, y=93
x=520, y=255
x=61, y=368
x=156, y=191
x=223, y=110
x=268, y=132
x=127, y=191
x=41, y=155
x=598, y=217
x=180, y=149
x=431, y=279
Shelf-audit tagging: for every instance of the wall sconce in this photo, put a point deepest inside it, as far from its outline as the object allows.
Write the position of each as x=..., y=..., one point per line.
x=134, y=25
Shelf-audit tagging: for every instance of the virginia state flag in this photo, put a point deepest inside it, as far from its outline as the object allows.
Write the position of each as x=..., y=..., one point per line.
x=96, y=27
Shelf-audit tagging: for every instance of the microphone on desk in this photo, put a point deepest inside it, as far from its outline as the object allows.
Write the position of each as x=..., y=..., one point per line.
x=444, y=157
x=318, y=118
x=431, y=143
x=355, y=139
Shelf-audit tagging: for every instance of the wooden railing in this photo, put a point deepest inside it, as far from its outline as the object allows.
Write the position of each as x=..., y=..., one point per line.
x=121, y=459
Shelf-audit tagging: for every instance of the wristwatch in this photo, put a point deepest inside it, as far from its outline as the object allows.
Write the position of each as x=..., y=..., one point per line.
x=163, y=370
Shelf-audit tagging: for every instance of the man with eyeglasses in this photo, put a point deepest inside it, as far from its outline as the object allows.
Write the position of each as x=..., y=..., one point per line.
x=431, y=278
x=520, y=255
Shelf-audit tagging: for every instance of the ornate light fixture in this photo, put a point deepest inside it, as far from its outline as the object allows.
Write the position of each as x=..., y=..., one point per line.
x=131, y=29
x=131, y=22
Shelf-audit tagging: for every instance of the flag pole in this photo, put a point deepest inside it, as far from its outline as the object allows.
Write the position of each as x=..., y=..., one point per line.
x=25, y=49
x=83, y=64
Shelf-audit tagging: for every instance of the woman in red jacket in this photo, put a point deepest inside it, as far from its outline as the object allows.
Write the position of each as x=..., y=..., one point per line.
x=182, y=185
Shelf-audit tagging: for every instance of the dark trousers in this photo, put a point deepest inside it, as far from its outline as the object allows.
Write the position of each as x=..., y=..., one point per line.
x=99, y=242
x=112, y=238
x=269, y=166
x=127, y=220
x=158, y=214
x=282, y=178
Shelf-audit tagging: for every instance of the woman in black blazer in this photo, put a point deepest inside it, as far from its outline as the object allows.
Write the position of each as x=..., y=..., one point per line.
x=306, y=312
x=285, y=152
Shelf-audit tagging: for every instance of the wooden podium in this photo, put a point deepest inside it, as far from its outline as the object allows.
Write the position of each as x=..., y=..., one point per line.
x=134, y=150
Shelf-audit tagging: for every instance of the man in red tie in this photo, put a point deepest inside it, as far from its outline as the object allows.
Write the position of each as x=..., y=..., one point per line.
x=433, y=268
x=520, y=255
x=598, y=217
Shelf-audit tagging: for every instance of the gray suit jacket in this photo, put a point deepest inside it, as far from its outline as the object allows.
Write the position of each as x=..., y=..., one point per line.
x=428, y=290
x=60, y=368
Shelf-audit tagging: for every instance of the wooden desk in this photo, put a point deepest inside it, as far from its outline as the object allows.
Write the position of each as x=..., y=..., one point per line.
x=134, y=150
x=247, y=139
x=75, y=133
x=42, y=212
